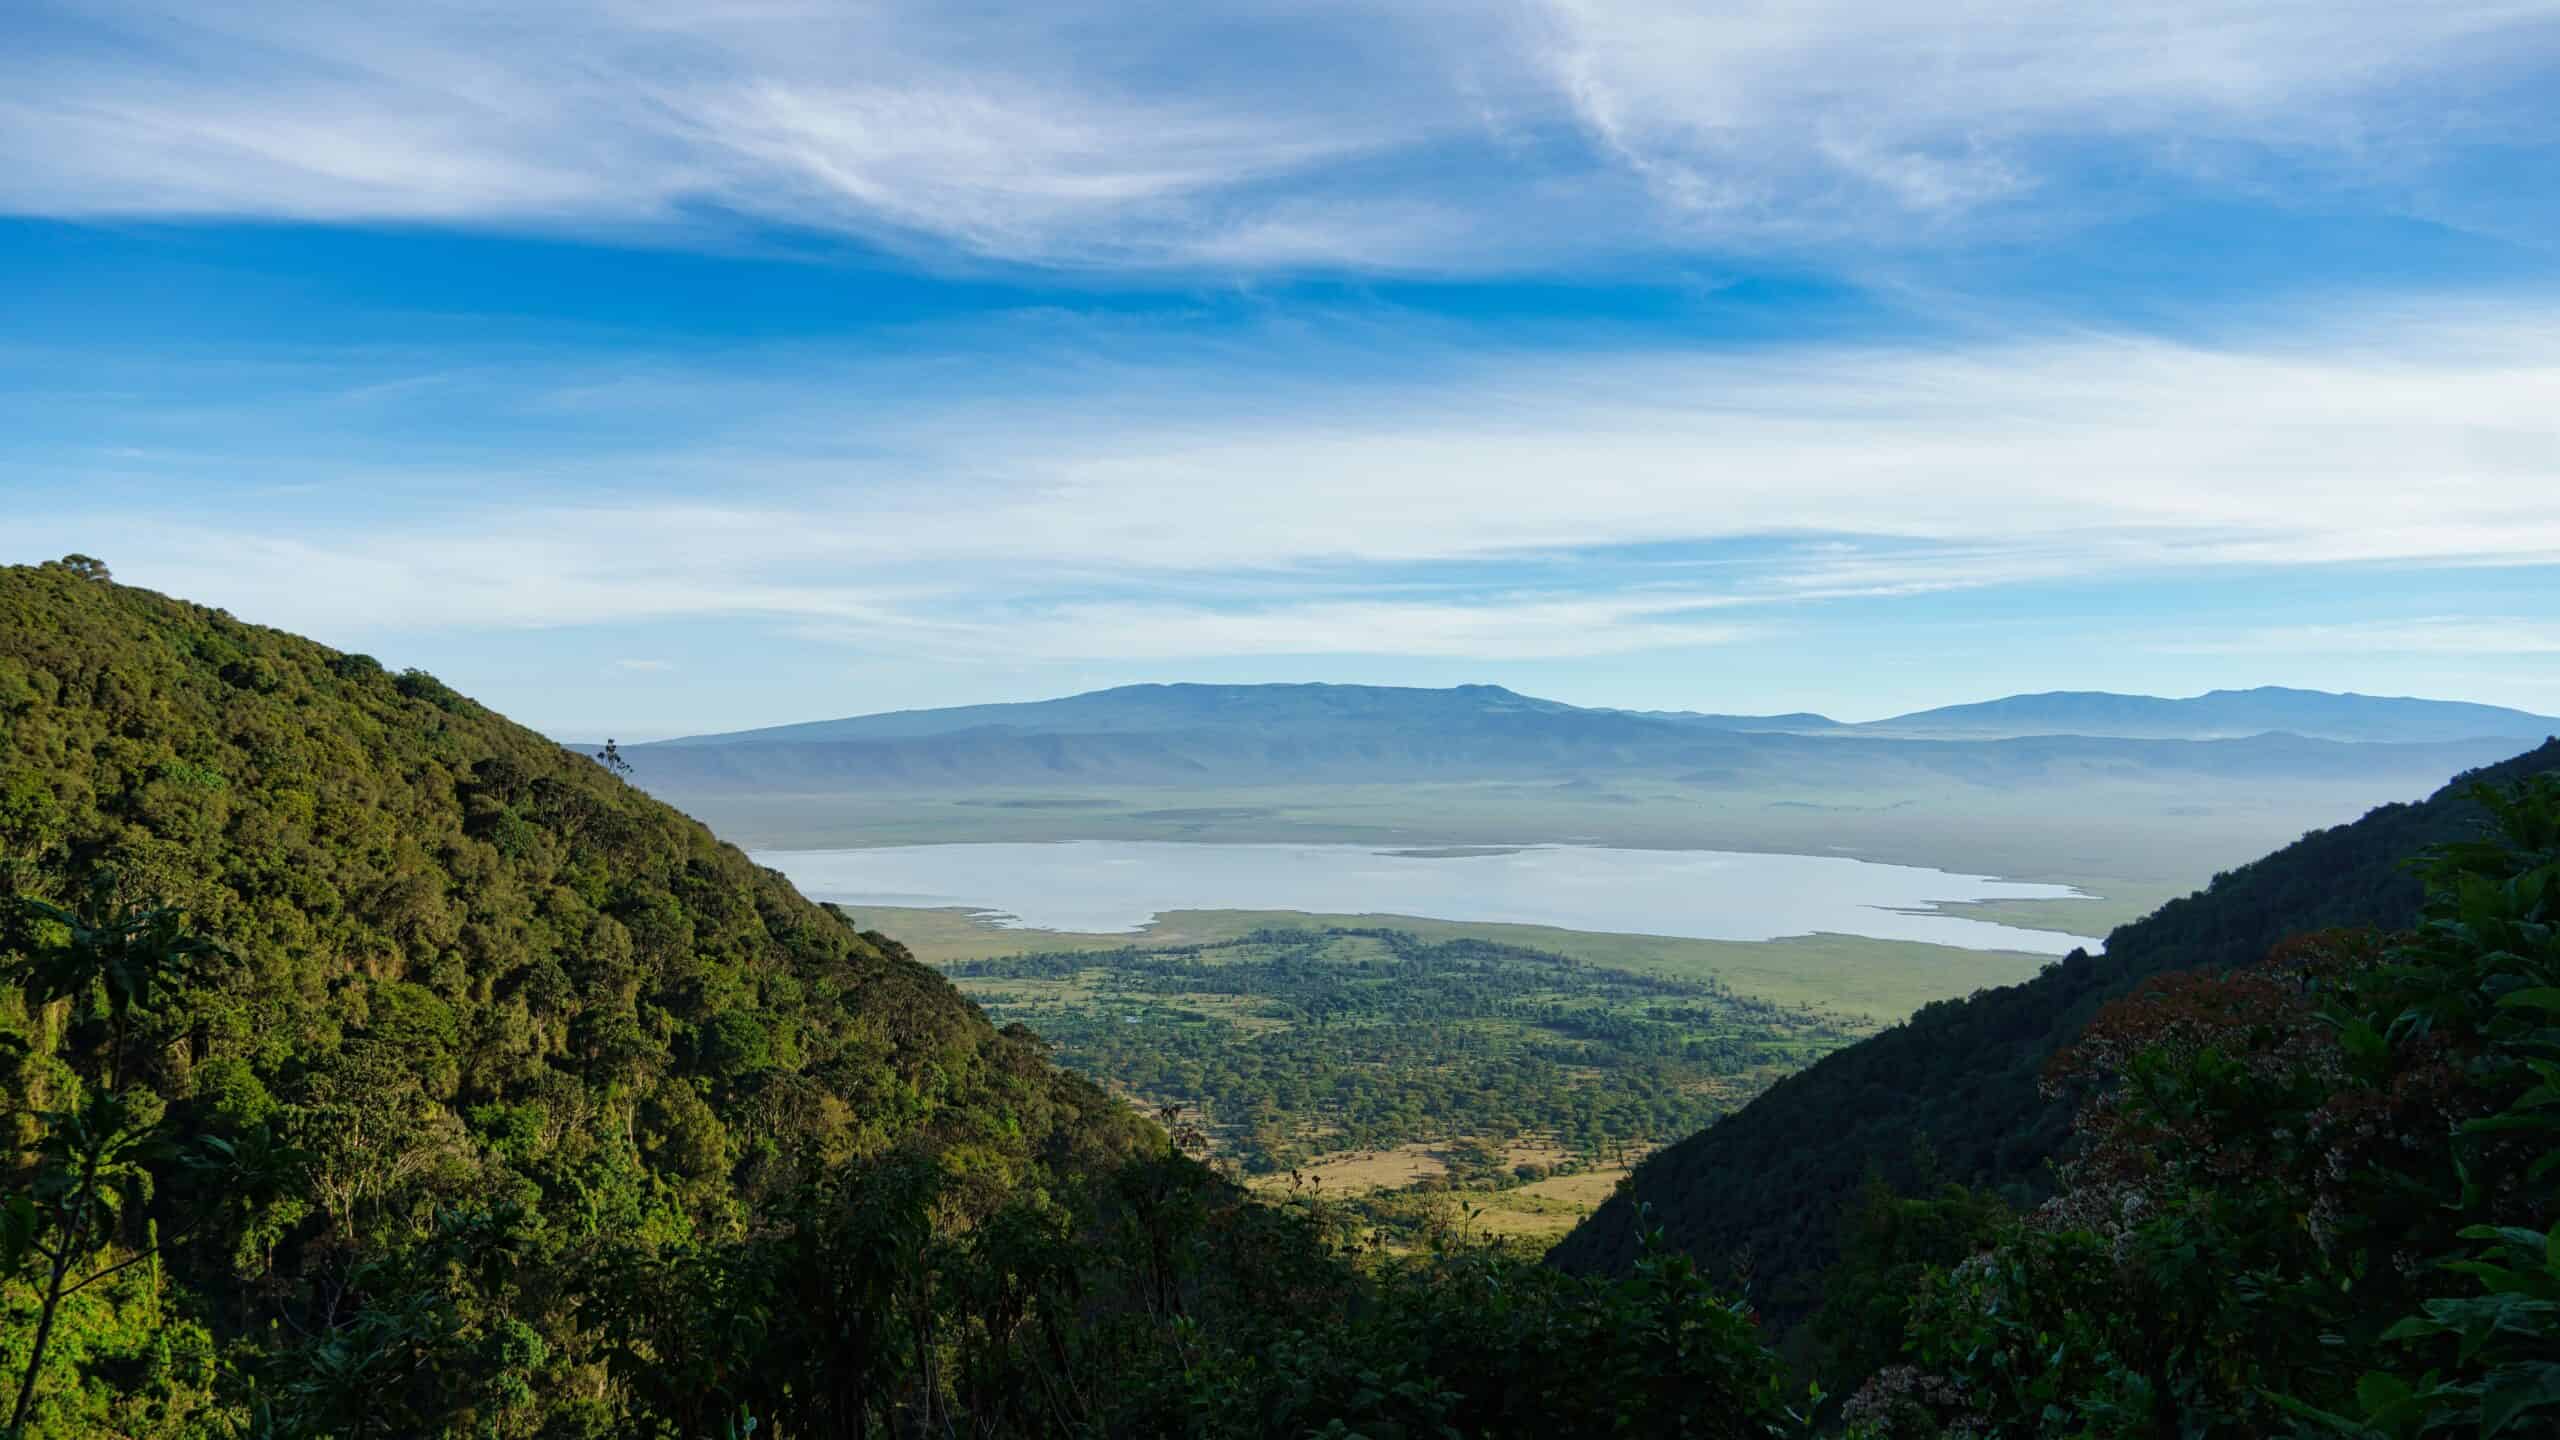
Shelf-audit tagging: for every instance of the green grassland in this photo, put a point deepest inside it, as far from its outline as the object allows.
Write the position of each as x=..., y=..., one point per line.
x=1857, y=979
x=2122, y=902
x=1416, y=1070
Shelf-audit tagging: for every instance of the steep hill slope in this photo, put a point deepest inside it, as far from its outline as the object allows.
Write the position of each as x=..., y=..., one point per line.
x=351, y=833
x=463, y=967
x=1954, y=1089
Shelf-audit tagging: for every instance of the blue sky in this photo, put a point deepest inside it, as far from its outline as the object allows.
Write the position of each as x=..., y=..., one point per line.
x=653, y=366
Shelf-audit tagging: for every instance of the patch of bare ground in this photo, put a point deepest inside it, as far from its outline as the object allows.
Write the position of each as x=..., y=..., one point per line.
x=1543, y=1210
x=1358, y=1171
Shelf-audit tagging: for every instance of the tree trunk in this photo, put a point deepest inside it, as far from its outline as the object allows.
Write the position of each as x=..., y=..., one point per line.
x=62, y=1259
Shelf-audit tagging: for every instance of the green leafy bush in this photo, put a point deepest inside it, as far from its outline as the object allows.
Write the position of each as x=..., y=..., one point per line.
x=2320, y=1196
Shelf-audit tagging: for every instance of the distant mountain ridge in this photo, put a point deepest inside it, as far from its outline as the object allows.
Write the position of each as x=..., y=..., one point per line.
x=1159, y=709
x=2221, y=714
x=1291, y=708
x=1318, y=733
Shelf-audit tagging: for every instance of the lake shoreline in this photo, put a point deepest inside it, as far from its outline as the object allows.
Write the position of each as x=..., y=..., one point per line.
x=1107, y=887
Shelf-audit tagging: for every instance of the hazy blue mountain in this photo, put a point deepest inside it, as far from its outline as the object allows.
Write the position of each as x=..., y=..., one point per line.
x=2221, y=714
x=1798, y=722
x=1157, y=709
x=1289, y=734
x=1317, y=713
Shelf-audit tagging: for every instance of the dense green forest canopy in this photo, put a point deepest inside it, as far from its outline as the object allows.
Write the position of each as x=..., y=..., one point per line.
x=373, y=1066
x=396, y=871
x=1292, y=1044
x=562, y=993
x=1953, y=1094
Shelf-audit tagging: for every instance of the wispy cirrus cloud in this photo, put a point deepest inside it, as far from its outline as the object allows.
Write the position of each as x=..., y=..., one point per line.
x=1511, y=504
x=1412, y=135
x=1502, y=626
x=1054, y=133
x=1793, y=114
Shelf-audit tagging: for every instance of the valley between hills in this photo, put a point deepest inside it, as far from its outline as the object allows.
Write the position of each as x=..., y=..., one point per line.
x=377, y=1067
x=1973, y=790
x=1536, y=720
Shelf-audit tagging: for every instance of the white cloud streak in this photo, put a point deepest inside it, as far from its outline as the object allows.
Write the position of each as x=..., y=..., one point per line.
x=1502, y=627
x=1794, y=111
x=1156, y=520
x=1236, y=135
x=2435, y=635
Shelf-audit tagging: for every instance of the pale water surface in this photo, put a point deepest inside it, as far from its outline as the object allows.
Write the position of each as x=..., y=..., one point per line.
x=1110, y=886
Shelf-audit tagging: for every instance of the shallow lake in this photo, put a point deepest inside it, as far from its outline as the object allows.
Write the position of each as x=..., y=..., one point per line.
x=1110, y=886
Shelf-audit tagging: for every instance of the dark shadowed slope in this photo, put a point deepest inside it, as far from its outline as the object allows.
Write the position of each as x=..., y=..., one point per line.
x=1957, y=1083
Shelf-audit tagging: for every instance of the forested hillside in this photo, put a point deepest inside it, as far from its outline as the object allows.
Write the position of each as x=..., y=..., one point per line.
x=1953, y=1093
x=371, y=1066
x=400, y=875
x=538, y=985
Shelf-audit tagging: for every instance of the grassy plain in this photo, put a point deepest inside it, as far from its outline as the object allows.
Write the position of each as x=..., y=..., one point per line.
x=1851, y=976
x=1367, y=1053
x=1409, y=1181
x=1361, y=1171
x=2121, y=901
x=1543, y=1210
x=1427, y=1082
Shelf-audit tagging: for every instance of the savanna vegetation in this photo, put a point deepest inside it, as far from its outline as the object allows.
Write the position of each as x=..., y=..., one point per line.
x=1862, y=982
x=1295, y=1044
